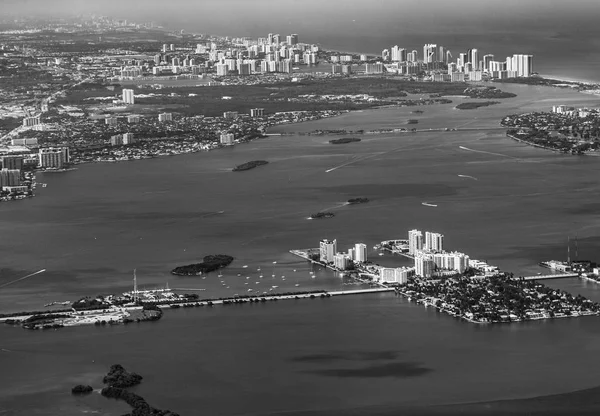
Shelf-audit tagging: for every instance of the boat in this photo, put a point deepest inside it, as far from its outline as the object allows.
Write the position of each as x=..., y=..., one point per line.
x=245, y=266
x=427, y=204
x=297, y=284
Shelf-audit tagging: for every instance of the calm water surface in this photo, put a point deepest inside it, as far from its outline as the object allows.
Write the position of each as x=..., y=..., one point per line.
x=90, y=228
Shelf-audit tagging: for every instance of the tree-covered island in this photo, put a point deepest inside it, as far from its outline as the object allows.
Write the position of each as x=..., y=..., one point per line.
x=475, y=105
x=321, y=215
x=250, y=165
x=354, y=201
x=209, y=264
x=344, y=140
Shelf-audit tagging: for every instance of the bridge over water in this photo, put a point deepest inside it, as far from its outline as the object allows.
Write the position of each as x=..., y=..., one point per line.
x=551, y=276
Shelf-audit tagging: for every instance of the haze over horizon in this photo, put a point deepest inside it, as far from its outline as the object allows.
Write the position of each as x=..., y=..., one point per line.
x=557, y=33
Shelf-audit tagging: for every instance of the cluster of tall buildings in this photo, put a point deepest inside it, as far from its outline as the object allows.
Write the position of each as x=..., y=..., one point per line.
x=430, y=257
x=122, y=139
x=471, y=65
x=343, y=261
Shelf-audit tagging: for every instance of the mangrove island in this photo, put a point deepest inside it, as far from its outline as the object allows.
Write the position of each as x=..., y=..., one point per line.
x=320, y=215
x=344, y=140
x=475, y=105
x=209, y=264
x=354, y=201
x=250, y=165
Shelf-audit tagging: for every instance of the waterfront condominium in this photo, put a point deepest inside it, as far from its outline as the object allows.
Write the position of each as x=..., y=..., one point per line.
x=434, y=242
x=327, y=250
x=360, y=253
x=415, y=242
x=424, y=264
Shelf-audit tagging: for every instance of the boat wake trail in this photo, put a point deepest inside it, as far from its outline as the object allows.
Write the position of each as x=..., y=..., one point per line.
x=467, y=176
x=22, y=278
x=487, y=153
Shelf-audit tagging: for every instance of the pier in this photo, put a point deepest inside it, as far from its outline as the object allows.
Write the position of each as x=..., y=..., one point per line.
x=551, y=276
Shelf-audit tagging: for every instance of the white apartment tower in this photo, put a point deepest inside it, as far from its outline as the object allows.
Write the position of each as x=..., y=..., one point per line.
x=434, y=241
x=360, y=252
x=415, y=242
x=128, y=96
x=327, y=250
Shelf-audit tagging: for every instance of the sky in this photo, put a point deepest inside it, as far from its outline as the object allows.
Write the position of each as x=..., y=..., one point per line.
x=250, y=16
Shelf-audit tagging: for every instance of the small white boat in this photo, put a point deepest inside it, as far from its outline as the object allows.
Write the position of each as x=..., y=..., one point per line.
x=245, y=266
x=297, y=284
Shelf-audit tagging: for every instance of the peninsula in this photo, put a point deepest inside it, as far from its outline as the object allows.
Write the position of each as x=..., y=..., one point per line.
x=250, y=165
x=209, y=264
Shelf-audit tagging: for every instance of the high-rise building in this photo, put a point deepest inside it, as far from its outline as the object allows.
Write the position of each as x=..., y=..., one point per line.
x=434, y=241
x=327, y=249
x=462, y=59
x=54, y=157
x=128, y=96
x=374, y=68
x=360, y=252
x=429, y=53
x=474, y=58
x=521, y=64
x=10, y=177
x=292, y=39
x=222, y=70
x=487, y=59
x=424, y=264
x=415, y=242
x=110, y=121
x=398, y=54
x=133, y=119
x=341, y=261
x=454, y=261
x=385, y=55
x=12, y=162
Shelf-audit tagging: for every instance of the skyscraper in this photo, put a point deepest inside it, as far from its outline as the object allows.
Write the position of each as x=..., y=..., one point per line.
x=474, y=58
x=327, y=250
x=429, y=53
x=487, y=59
x=434, y=241
x=360, y=252
x=424, y=264
x=10, y=177
x=128, y=96
x=415, y=242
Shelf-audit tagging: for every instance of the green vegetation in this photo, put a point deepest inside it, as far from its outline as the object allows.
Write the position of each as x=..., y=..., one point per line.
x=119, y=377
x=320, y=215
x=475, y=105
x=344, y=140
x=81, y=389
x=487, y=92
x=209, y=264
x=250, y=165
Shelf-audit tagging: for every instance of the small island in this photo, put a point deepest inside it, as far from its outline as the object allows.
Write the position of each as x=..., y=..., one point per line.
x=320, y=215
x=118, y=379
x=344, y=140
x=418, y=112
x=209, y=264
x=475, y=105
x=250, y=165
x=412, y=121
x=80, y=389
x=354, y=201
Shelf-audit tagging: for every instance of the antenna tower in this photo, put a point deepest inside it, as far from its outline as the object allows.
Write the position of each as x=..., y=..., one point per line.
x=135, y=289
